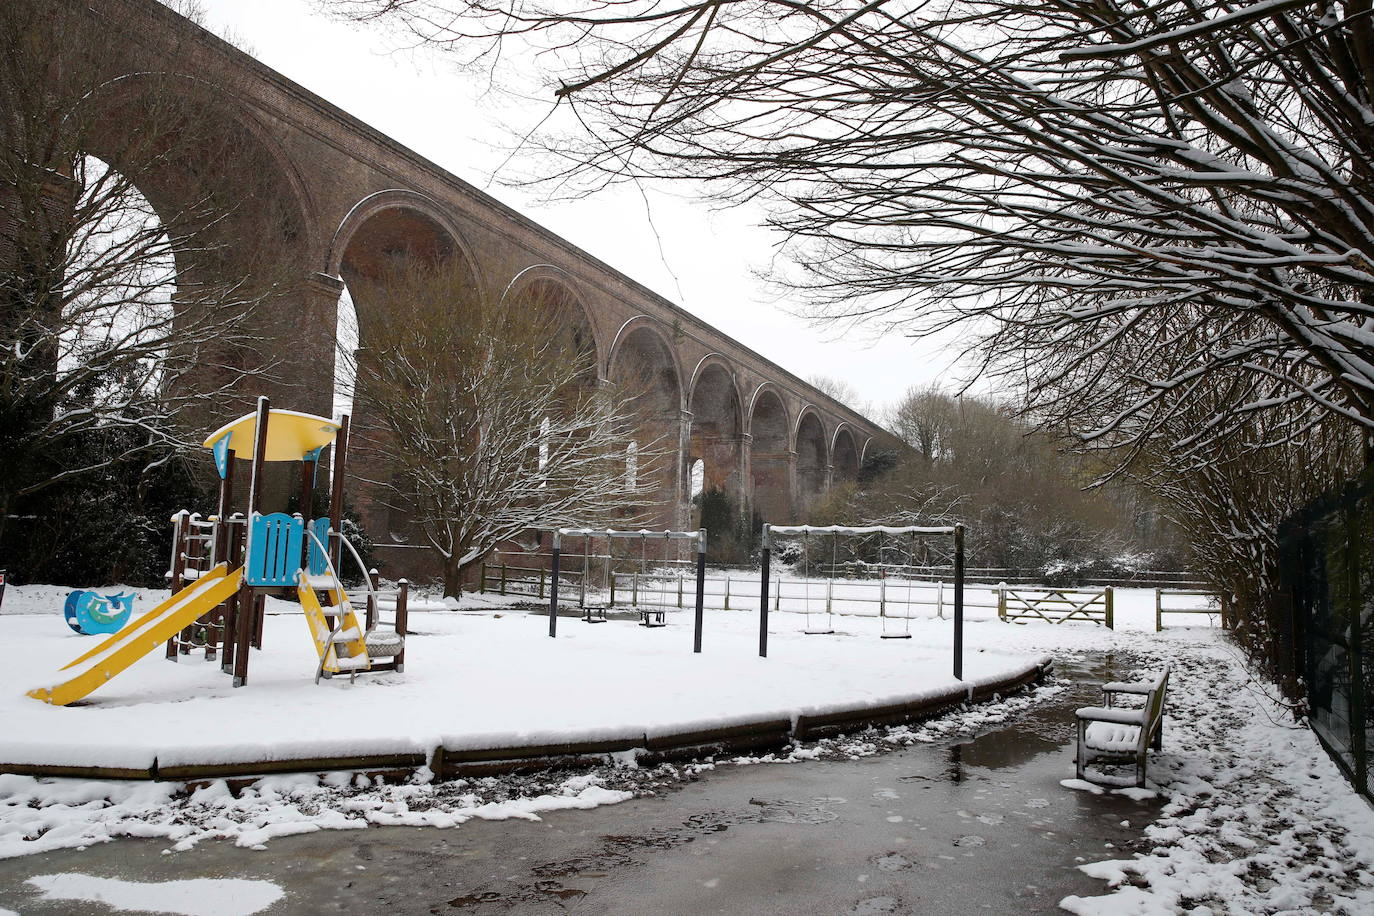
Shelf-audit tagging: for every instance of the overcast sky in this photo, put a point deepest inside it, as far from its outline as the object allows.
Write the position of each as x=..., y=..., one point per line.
x=705, y=260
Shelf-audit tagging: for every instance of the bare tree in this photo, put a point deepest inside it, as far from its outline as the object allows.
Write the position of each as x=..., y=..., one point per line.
x=1059, y=174
x=128, y=280
x=842, y=391
x=489, y=419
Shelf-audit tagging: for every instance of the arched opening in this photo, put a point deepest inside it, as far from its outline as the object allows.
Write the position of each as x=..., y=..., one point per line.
x=716, y=440
x=770, y=460
x=558, y=309
x=846, y=460
x=389, y=253
x=811, y=461
x=644, y=373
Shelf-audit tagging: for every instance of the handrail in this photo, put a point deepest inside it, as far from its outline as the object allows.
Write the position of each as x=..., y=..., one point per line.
x=329, y=567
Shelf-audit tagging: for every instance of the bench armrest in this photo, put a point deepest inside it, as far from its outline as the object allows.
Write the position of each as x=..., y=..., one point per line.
x=1139, y=687
x=1113, y=714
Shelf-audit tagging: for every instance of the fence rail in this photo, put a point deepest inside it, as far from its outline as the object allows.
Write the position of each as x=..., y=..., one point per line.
x=596, y=564
x=1057, y=605
x=1162, y=607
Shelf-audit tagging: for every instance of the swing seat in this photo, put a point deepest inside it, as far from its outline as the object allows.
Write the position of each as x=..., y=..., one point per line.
x=594, y=615
x=652, y=617
x=896, y=636
x=830, y=632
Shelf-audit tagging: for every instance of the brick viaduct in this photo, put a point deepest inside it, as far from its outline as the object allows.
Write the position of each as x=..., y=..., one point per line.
x=349, y=197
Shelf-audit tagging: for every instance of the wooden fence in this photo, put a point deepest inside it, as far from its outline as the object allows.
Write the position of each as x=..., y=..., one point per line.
x=1162, y=596
x=1057, y=605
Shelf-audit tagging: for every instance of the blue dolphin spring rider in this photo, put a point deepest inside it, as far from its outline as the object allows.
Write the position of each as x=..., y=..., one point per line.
x=91, y=614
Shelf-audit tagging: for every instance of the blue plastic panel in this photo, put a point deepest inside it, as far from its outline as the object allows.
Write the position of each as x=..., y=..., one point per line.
x=274, y=549
x=319, y=564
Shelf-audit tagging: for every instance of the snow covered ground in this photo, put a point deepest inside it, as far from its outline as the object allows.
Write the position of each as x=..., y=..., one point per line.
x=473, y=679
x=1254, y=817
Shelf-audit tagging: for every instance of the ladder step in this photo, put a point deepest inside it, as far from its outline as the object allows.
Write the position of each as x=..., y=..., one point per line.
x=347, y=636
x=322, y=583
x=356, y=663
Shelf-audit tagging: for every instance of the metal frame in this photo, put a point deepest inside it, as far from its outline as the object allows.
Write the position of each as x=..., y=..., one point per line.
x=956, y=531
x=699, y=536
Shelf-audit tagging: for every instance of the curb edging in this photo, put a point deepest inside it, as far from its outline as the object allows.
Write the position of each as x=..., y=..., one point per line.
x=763, y=735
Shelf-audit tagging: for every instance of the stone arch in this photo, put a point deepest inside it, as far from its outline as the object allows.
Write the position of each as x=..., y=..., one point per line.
x=844, y=454
x=220, y=183
x=716, y=437
x=634, y=333
x=548, y=287
x=813, y=458
x=381, y=239
x=770, y=456
x=643, y=369
x=231, y=151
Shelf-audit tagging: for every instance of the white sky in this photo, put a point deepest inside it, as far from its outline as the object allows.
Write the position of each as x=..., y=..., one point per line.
x=706, y=261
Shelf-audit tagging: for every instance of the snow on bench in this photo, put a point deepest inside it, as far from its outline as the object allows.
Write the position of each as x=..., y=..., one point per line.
x=1120, y=734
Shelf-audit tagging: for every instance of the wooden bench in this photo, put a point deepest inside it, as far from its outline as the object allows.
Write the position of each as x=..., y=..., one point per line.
x=1122, y=734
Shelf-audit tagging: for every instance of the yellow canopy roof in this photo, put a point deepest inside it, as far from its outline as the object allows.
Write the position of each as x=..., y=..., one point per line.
x=290, y=434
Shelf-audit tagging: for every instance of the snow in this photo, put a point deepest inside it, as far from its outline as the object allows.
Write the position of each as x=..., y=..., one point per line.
x=616, y=682
x=198, y=897
x=1254, y=817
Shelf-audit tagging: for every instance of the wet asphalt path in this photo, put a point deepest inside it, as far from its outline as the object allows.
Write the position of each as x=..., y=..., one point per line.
x=961, y=826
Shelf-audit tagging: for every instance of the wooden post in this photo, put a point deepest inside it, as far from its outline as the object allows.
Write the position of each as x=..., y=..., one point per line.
x=503, y=575
x=882, y=593
x=336, y=491
x=195, y=551
x=482, y=577
x=959, y=602
x=1002, y=601
x=727, y=590
x=612, y=578
x=402, y=620
x=1159, y=610
x=180, y=523
x=766, y=556
x=232, y=603
x=679, y=591
x=307, y=499
x=247, y=623
x=1111, y=616
x=541, y=582
x=1226, y=622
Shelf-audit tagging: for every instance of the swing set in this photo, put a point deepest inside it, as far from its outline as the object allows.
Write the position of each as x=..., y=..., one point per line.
x=820, y=620
x=651, y=615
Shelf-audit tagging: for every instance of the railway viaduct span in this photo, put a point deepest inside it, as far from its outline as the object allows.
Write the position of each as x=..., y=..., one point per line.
x=347, y=198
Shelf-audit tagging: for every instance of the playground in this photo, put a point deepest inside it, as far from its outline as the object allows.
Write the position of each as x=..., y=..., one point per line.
x=488, y=677
x=485, y=677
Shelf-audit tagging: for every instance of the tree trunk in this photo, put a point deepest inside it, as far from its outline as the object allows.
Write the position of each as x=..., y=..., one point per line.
x=453, y=576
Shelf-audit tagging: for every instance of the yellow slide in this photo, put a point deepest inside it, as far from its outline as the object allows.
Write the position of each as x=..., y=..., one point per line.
x=142, y=636
x=348, y=651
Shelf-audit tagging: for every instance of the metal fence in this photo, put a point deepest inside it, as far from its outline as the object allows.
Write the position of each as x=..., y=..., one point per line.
x=1326, y=630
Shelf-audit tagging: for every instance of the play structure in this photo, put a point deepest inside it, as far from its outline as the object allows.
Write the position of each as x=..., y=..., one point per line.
x=652, y=612
x=882, y=541
x=224, y=566
x=92, y=614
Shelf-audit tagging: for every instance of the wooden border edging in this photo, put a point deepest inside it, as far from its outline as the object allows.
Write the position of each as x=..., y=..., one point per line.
x=767, y=734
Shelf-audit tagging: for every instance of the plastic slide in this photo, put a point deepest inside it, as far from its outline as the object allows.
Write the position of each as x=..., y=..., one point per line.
x=142, y=636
